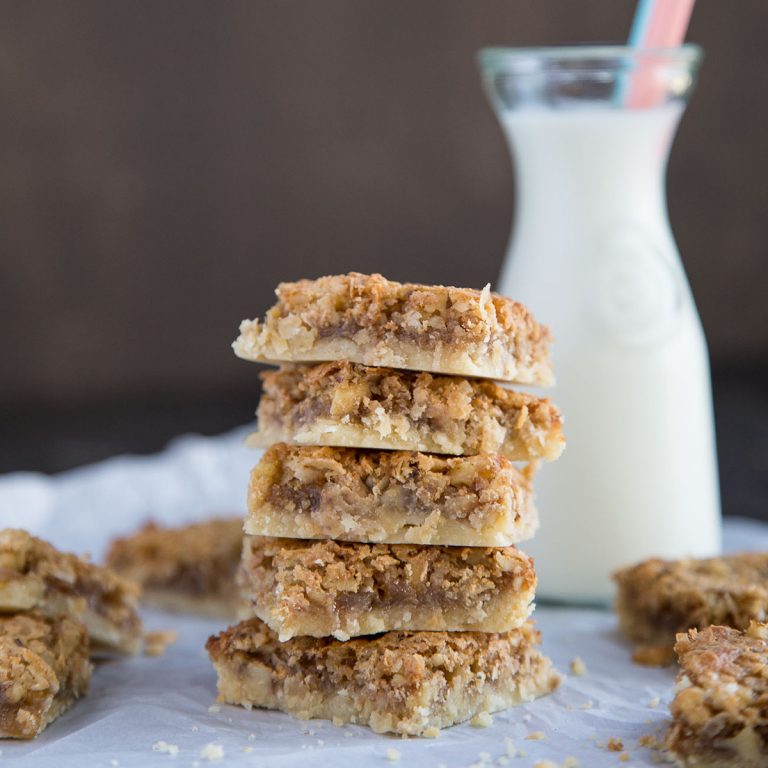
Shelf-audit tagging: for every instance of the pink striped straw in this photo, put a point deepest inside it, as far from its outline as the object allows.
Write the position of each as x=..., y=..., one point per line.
x=657, y=24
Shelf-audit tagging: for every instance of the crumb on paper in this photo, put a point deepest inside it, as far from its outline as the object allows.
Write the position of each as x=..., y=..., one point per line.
x=212, y=752
x=214, y=708
x=484, y=757
x=578, y=667
x=432, y=732
x=251, y=737
x=654, y=702
x=571, y=762
x=392, y=755
x=247, y=749
x=650, y=741
x=165, y=748
x=482, y=720
x=614, y=744
x=503, y=760
x=545, y=764
x=320, y=742
x=510, y=746
x=155, y=643
x=587, y=705
x=536, y=736
x=624, y=757
x=195, y=728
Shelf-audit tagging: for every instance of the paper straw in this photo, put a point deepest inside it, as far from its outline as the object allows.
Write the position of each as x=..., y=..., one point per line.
x=657, y=24
x=660, y=23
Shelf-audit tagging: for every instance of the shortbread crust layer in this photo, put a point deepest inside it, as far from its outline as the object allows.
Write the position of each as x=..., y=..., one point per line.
x=44, y=669
x=395, y=497
x=187, y=569
x=34, y=575
x=399, y=682
x=373, y=321
x=347, y=405
x=720, y=710
x=324, y=588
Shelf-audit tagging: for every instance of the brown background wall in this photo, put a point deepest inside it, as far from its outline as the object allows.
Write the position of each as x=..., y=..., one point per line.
x=164, y=164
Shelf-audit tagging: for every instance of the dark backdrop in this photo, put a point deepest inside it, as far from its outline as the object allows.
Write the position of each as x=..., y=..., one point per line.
x=164, y=164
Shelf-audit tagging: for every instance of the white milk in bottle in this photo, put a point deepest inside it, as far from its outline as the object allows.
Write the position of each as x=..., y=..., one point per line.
x=593, y=256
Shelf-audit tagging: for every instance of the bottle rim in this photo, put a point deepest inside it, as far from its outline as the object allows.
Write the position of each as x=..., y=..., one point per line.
x=591, y=57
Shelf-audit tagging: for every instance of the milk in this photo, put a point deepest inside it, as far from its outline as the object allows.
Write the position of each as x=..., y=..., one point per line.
x=593, y=256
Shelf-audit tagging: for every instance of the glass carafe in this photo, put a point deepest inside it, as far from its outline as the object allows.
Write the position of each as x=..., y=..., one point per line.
x=593, y=255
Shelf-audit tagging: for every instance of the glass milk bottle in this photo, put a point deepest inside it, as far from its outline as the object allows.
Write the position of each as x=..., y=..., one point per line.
x=593, y=255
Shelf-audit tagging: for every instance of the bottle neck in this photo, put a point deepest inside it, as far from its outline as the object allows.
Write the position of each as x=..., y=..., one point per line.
x=590, y=169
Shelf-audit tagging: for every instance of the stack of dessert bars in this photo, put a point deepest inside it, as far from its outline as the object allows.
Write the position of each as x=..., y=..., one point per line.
x=379, y=576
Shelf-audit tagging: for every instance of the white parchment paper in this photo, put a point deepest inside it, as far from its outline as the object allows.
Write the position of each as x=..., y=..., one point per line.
x=136, y=704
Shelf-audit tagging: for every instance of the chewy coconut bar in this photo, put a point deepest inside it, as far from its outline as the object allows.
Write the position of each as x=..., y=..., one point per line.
x=720, y=709
x=44, y=669
x=400, y=682
x=658, y=598
x=395, y=497
x=188, y=569
x=373, y=321
x=34, y=575
x=323, y=588
x=348, y=405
